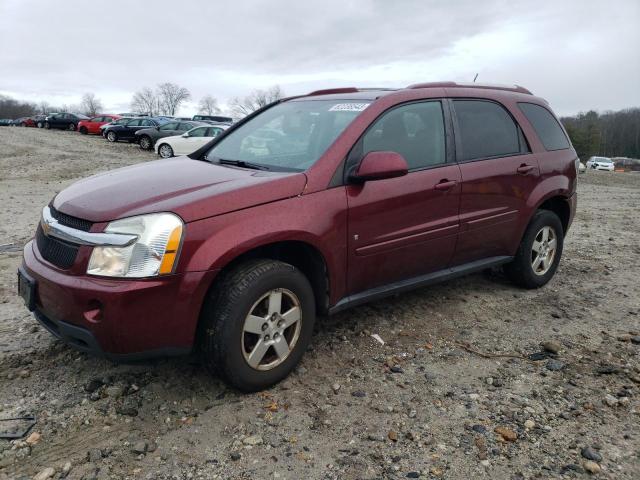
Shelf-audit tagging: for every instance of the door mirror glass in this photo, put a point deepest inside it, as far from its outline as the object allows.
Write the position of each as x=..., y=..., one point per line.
x=380, y=165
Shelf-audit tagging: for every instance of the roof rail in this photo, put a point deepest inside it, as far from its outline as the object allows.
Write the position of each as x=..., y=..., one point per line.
x=485, y=86
x=330, y=91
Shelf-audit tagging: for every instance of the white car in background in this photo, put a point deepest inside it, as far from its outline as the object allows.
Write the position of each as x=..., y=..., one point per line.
x=601, y=163
x=189, y=141
x=580, y=166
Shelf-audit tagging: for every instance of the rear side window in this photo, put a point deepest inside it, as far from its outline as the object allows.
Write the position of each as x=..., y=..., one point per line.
x=486, y=130
x=415, y=131
x=546, y=126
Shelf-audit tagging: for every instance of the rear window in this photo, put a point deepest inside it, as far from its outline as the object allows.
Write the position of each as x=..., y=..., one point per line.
x=546, y=126
x=486, y=130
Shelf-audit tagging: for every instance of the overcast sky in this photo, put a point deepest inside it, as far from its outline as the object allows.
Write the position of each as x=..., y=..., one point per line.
x=579, y=55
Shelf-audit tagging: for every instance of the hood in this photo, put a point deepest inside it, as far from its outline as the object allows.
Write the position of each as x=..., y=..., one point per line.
x=193, y=189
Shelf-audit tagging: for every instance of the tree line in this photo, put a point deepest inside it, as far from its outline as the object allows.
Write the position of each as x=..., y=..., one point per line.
x=609, y=134
x=165, y=99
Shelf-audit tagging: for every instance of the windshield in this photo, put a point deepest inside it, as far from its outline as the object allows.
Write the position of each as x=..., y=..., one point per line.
x=290, y=136
x=603, y=160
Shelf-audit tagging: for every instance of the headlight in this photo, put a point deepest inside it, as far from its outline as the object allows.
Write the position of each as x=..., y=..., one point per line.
x=155, y=252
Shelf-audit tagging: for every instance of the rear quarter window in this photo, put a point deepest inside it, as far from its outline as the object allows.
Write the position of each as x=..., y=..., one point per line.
x=546, y=126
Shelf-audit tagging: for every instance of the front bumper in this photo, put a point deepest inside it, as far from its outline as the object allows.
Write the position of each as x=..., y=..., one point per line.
x=117, y=318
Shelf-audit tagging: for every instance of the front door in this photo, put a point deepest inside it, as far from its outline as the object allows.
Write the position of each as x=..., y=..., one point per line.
x=404, y=227
x=498, y=176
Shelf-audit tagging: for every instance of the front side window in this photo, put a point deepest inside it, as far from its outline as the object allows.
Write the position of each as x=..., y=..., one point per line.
x=486, y=130
x=214, y=132
x=546, y=126
x=290, y=136
x=415, y=131
x=169, y=126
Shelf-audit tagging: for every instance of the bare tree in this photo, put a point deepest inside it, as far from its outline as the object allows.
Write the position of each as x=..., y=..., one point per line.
x=255, y=100
x=171, y=96
x=91, y=105
x=208, y=105
x=44, y=107
x=145, y=101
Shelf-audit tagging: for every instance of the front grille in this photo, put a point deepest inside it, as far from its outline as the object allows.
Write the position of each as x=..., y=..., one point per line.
x=59, y=253
x=69, y=221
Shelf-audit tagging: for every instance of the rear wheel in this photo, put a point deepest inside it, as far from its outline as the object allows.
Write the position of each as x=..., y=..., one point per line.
x=145, y=142
x=40, y=124
x=112, y=136
x=539, y=253
x=47, y=125
x=165, y=151
x=72, y=127
x=257, y=323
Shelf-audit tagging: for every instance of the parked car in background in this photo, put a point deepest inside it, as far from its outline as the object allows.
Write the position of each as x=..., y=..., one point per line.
x=39, y=120
x=234, y=251
x=189, y=141
x=120, y=121
x=92, y=125
x=601, y=163
x=580, y=166
x=147, y=137
x=26, y=122
x=68, y=121
x=215, y=118
x=5, y=122
x=116, y=131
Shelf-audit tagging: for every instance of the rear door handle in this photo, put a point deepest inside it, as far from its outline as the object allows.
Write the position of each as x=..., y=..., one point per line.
x=445, y=185
x=524, y=169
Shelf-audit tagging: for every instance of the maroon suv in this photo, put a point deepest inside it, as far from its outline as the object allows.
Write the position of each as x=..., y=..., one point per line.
x=309, y=206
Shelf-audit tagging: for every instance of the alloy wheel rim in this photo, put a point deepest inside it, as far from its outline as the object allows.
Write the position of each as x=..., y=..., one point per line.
x=111, y=136
x=165, y=151
x=543, y=250
x=271, y=329
x=144, y=143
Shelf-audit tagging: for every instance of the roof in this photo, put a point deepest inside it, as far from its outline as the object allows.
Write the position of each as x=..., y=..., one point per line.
x=353, y=93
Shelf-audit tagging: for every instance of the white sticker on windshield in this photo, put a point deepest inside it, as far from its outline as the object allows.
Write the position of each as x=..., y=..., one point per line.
x=348, y=107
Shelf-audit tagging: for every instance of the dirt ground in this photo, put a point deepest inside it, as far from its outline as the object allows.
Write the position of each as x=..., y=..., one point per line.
x=462, y=387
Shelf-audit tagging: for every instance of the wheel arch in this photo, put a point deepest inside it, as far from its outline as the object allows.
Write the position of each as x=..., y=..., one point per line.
x=303, y=255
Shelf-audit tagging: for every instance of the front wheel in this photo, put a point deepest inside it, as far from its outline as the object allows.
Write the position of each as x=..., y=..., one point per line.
x=83, y=130
x=40, y=125
x=112, y=136
x=257, y=323
x=538, y=255
x=165, y=151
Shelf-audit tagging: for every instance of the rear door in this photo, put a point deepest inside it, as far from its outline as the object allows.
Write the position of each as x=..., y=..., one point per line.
x=131, y=128
x=499, y=173
x=404, y=227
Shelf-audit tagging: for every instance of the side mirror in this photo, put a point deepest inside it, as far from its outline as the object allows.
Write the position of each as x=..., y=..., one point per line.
x=380, y=165
x=185, y=135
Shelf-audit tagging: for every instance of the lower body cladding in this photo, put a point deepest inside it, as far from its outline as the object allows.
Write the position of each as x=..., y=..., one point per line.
x=120, y=319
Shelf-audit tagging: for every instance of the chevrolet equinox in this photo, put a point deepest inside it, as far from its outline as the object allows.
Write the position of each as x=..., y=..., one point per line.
x=311, y=205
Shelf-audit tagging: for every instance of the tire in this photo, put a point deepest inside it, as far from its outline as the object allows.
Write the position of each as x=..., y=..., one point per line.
x=23, y=124
x=83, y=130
x=145, y=142
x=226, y=347
x=530, y=268
x=47, y=125
x=72, y=127
x=40, y=125
x=165, y=150
x=112, y=136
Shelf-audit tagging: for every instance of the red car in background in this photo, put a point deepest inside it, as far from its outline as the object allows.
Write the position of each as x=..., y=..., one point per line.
x=93, y=124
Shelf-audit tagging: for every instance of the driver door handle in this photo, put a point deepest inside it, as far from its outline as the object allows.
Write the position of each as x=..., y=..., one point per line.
x=445, y=184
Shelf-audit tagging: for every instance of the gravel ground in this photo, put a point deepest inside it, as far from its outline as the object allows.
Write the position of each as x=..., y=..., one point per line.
x=476, y=378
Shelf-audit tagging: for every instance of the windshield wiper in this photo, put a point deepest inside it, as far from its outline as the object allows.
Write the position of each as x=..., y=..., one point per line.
x=242, y=163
